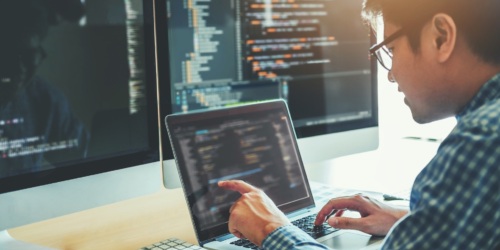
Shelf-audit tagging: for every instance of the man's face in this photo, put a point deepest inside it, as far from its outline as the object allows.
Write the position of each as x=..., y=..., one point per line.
x=418, y=77
x=18, y=62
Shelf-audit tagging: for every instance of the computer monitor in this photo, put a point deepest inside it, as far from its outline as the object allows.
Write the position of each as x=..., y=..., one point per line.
x=78, y=106
x=311, y=53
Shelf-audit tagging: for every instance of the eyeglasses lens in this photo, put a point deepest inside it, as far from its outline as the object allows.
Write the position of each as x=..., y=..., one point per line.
x=385, y=58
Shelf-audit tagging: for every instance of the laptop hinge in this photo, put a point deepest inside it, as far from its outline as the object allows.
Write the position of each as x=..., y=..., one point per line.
x=224, y=237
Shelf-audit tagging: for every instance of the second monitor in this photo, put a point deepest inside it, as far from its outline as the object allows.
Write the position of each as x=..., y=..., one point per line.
x=313, y=54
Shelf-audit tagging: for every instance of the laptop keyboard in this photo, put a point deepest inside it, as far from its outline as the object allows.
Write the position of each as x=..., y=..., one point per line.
x=245, y=243
x=172, y=244
x=306, y=224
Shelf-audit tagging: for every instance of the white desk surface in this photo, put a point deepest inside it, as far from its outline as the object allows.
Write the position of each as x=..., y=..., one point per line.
x=139, y=222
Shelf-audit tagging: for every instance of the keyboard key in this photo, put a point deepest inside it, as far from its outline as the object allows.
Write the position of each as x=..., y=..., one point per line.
x=307, y=225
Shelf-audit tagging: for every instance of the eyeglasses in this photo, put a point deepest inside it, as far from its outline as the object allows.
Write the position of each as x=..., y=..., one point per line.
x=382, y=53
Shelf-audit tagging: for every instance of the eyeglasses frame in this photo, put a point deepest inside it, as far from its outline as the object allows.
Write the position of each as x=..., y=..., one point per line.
x=373, y=50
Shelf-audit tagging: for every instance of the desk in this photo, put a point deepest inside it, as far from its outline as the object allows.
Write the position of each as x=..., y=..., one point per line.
x=129, y=224
x=141, y=221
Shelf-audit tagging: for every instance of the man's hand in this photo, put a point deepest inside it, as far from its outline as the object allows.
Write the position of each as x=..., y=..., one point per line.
x=254, y=215
x=377, y=218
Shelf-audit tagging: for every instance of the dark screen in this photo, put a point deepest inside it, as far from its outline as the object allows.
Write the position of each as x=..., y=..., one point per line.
x=254, y=143
x=77, y=89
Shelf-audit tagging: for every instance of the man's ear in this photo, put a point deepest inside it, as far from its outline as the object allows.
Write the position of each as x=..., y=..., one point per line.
x=444, y=34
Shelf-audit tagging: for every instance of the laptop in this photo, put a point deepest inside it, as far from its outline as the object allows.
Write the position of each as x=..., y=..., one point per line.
x=255, y=143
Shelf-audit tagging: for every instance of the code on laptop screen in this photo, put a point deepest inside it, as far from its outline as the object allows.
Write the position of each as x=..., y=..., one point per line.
x=257, y=147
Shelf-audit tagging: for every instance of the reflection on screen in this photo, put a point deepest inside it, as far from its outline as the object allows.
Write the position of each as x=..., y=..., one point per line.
x=72, y=82
x=256, y=148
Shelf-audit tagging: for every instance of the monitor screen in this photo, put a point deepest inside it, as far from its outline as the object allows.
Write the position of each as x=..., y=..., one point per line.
x=77, y=89
x=311, y=53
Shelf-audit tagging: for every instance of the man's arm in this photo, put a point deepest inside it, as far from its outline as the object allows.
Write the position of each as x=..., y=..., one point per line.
x=290, y=237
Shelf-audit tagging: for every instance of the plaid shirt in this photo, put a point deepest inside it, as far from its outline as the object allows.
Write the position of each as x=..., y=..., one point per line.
x=455, y=200
x=290, y=237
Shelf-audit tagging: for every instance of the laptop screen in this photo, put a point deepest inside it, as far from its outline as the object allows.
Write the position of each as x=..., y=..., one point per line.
x=255, y=143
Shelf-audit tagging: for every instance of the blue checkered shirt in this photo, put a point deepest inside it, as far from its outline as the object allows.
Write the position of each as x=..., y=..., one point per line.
x=455, y=200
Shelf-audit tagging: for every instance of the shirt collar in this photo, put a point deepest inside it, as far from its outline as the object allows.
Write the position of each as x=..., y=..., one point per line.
x=489, y=91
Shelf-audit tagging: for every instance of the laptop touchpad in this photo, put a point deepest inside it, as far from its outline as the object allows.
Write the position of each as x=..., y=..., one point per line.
x=348, y=241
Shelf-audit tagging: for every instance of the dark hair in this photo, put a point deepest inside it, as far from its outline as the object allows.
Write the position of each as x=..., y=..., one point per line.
x=478, y=21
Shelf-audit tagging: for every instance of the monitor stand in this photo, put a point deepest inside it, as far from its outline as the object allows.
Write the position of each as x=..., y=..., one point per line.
x=170, y=174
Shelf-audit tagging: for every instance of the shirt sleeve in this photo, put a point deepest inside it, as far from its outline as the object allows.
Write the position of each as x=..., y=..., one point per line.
x=290, y=237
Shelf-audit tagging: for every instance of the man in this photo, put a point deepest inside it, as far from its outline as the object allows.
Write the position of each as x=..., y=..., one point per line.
x=445, y=57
